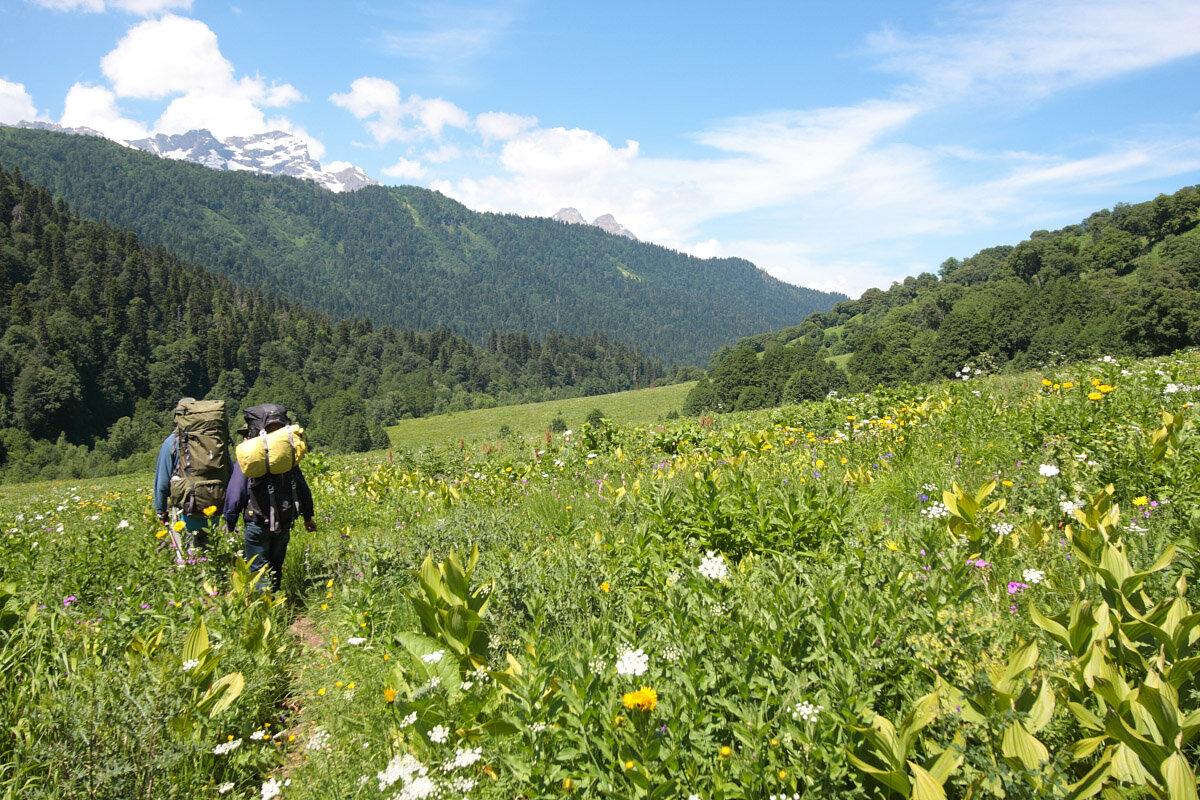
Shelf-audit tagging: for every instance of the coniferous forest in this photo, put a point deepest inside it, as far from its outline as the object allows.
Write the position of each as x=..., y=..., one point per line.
x=1123, y=282
x=411, y=257
x=101, y=336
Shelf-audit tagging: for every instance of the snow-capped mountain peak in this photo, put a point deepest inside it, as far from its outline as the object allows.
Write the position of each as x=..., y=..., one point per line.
x=607, y=222
x=273, y=153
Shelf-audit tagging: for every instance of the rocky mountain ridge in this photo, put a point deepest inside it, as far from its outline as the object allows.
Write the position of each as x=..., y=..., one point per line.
x=606, y=222
x=272, y=153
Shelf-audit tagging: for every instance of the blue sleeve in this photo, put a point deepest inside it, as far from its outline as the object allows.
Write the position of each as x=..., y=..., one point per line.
x=236, y=494
x=162, y=474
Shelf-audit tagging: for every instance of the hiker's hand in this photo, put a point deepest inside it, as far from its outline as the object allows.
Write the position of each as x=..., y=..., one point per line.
x=310, y=524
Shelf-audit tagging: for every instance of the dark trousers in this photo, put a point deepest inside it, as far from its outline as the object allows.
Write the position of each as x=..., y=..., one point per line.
x=266, y=548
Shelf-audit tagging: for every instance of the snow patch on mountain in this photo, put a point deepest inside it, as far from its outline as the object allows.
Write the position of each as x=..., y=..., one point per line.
x=274, y=153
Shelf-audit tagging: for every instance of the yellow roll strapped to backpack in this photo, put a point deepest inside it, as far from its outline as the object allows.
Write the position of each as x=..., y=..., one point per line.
x=276, y=452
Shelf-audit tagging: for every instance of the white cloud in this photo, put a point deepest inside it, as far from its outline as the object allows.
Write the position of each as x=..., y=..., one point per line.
x=172, y=55
x=1036, y=47
x=392, y=118
x=405, y=170
x=562, y=155
x=96, y=107
x=502, y=126
x=16, y=104
x=144, y=8
x=178, y=58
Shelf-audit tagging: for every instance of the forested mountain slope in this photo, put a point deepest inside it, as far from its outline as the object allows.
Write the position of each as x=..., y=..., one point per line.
x=99, y=336
x=1125, y=281
x=411, y=257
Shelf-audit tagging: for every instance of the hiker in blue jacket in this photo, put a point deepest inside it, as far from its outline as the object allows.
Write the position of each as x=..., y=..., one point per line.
x=168, y=456
x=268, y=505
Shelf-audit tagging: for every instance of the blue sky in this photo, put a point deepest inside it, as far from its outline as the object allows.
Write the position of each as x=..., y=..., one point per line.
x=840, y=146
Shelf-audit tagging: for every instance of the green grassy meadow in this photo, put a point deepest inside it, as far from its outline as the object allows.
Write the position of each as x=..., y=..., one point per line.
x=531, y=420
x=982, y=589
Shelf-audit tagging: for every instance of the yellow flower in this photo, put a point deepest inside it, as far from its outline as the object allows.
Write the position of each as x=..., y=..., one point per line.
x=208, y=512
x=568, y=784
x=1104, y=387
x=726, y=751
x=820, y=462
x=1068, y=385
x=644, y=699
x=161, y=534
x=604, y=587
x=1094, y=395
x=895, y=548
x=178, y=525
x=321, y=690
x=1006, y=483
x=324, y=606
x=1046, y=382
x=1140, y=501
x=774, y=743
x=389, y=694
x=782, y=774
x=329, y=584
x=628, y=765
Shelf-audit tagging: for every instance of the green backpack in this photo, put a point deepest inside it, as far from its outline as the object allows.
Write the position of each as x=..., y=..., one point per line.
x=202, y=463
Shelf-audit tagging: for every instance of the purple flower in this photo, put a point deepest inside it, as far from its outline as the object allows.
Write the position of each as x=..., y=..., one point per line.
x=979, y=562
x=1016, y=587
x=923, y=497
x=68, y=600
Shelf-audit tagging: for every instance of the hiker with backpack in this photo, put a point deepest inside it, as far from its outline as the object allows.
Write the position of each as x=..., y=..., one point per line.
x=192, y=470
x=267, y=488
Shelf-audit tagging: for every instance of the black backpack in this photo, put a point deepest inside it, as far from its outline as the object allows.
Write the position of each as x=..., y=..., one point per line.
x=274, y=501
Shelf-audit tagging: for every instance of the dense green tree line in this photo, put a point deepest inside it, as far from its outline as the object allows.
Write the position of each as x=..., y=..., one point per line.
x=99, y=336
x=411, y=257
x=1125, y=281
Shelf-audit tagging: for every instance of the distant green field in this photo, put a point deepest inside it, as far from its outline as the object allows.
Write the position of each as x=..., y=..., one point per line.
x=532, y=419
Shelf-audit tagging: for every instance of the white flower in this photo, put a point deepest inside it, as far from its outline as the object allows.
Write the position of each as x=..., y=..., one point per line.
x=434, y=657
x=1171, y=388
x=1047, y=470
x=409, y=720
x=355, y=640
x=806, y=712
x=419, y=789
x=463, y=758
x=1002, y=528
x=225, y=748
x=438, y=734
x=671, y=653
x=318, y=740
x=400, y=768
x=190, y=665
x=632, y=662
x=714, y=566
x=123, y=524
x=1070, y=506
x=935, y=510
x=1033, y=575
x=271, y=789
x=598, y=666
x=225, y=787
x=258, y=735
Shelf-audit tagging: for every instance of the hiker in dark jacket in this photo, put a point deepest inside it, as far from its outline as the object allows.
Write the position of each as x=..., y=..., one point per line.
x=269, y=506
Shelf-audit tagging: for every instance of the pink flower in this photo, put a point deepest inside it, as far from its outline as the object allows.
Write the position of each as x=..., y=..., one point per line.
x=1016, y=587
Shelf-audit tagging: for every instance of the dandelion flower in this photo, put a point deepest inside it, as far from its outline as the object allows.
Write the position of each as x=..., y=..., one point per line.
x=726, y=751
x=604, y=587
x=644, y=699
x=208, y=512
x=389, y=694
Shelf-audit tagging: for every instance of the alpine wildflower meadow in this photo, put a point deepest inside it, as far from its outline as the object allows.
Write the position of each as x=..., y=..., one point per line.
x=983, y=588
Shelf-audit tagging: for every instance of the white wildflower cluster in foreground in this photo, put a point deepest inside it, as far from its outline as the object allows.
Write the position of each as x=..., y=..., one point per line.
x=714, y=566
x=632, y=662
x=935, y=510
x=1033, y=575
x=415, y=781
x=806, y=712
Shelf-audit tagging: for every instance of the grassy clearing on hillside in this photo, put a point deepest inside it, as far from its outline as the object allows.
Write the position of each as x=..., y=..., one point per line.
x=981, y=589
x=531, y=420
